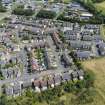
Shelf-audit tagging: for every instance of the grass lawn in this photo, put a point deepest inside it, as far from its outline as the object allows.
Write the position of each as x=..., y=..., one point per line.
x=100, y=7
x=5, y=14
x=87, y=1
x=2, y=48
x=103, y=31
x=67, y=1
x=98, y=67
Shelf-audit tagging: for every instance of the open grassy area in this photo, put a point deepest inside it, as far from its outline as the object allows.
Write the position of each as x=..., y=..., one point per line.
x=100, y=6
x=5, y=14
x=103, y=31
x=67, y=1
x=98, y=67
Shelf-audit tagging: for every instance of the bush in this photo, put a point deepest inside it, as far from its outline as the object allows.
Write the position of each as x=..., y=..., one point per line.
x=2, y=9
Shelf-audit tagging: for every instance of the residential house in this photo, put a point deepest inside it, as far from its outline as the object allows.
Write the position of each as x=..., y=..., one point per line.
x=80, y=45
x=67, y=59
x=44, y=85
x=17, y=89
x=9, y=90
x=37, y=85
x=80, y=74
x=66, y=77
x=57, y=80
x=26, y=84
x=51, y=82
x=74, y=75
x=83, y=55
x=101, y=49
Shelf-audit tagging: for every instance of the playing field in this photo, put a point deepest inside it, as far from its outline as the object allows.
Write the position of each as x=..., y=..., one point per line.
x=98, y=67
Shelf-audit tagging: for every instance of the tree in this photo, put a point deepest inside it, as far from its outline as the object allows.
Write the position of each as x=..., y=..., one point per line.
x=3, y=100
x=2, y=8
x=85, y=97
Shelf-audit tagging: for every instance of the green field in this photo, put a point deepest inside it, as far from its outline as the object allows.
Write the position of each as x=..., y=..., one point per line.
x=100, y=7
x=66, y=1
x=97, y=66
x=103, y=31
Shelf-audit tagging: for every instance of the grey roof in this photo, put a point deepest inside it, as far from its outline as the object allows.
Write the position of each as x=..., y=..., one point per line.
x=66, y=77
x=57, y=79
x=9, y=90
x=67, y=59
x=83, y=54
x=50, y=81
x=98, y=38
x=102, y=45
x=80, y=44
x=16, y=88
x=74, y=74
x=80, y=72
x=91, y=26
x=71, y=37
x=70, y=32
x=87, y=38
x=27, y=84
x=85, y=32
x=101, y=49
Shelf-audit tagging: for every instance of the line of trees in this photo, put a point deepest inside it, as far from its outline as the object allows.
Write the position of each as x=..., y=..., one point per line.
x=46, y=14
x=93, y=20
x=19, y=10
